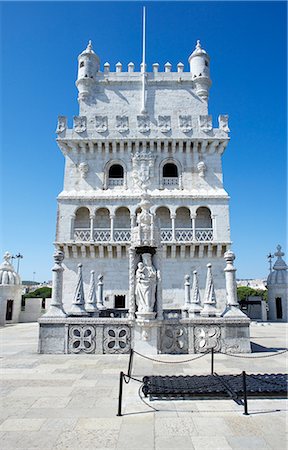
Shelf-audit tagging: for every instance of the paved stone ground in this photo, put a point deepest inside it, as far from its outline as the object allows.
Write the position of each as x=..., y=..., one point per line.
x=70, y=402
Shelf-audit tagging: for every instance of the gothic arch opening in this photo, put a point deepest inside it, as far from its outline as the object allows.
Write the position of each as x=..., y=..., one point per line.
x=82, y=224
x=170, y=170
x=203, y=218
x=116, y=171
x=102, y=228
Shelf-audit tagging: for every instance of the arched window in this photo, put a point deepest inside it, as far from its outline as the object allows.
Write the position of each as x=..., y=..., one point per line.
x=169, y=174
x=82, y=224
x=183, y=225
x=102, y=226
x=116, y=175
x=164, y=221
x=203, y=224
x=170, y=170
x=122, y=225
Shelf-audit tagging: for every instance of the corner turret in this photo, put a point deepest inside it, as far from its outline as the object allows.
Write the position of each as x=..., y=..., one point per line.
x=88, y=66
x=199, y=62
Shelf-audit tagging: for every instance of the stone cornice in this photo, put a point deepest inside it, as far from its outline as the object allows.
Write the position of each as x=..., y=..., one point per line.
x=124, y=195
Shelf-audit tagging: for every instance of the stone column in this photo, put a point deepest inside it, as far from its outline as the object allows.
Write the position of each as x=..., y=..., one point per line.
x=56, y=305
x=112, y=227
x=232, y=306
x=132, y=254
x=159, y=299
x=213, y=217
x=132, y=219
x=173, y=217
x=72, y=221
x=91, y=228
x=100, y=288
x=187, y=295
x=193, y=220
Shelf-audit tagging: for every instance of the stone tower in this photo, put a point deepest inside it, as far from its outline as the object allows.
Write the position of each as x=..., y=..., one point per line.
x=277, y=285
x=114, y=153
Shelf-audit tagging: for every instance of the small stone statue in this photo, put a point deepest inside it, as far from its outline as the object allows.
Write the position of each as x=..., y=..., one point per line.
x=146, y=280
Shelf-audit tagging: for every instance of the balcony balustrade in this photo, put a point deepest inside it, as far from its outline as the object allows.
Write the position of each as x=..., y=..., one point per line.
x=170, y=181
x=115, y=182
x=124, y=235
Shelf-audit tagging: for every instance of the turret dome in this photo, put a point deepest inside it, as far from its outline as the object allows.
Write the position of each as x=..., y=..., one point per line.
x=7, y=272
x=279, y=272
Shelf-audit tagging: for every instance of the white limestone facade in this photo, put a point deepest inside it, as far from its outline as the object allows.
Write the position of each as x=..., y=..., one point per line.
x=141, y=131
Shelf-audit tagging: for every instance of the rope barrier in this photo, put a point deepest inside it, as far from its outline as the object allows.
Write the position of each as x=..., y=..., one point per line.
x=172, y=362
x=234, y=355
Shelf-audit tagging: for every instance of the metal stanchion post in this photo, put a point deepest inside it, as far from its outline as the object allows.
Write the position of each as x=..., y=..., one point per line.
x=212, y=361
x=245, y=394
x=120, y=394
x=130, y=363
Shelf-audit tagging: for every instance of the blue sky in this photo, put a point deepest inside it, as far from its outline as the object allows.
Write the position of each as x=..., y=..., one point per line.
x=40, y=43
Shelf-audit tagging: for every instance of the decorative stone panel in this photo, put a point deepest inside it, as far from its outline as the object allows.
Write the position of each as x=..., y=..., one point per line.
x=143, y=123
x=80, y=124
x=207, y=337
x=174, y=339
x=205, y=123
x=117, y=339
x=164, y=123
x=122, y=124
x=62, y=124
x=185, y=123
x=101, y=124
x=223, y=123
x=81, y=339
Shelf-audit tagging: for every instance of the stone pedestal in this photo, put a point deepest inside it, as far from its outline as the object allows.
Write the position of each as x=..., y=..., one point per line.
x=145, y=339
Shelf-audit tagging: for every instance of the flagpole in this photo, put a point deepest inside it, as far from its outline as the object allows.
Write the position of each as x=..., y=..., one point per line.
x=143, y=106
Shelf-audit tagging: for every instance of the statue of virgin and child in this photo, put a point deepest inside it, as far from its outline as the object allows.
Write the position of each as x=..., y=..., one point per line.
x=146, y=281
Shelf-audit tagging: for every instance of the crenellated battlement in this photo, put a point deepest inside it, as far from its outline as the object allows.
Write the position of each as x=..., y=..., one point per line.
x=143, y=126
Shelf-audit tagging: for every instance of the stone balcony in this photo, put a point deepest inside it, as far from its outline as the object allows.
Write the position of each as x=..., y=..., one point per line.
x=168, y=235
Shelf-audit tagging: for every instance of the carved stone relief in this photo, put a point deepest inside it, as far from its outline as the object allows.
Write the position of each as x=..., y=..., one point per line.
x=62, y=124
x=207, y=337
x=223, y=123
x=101, y=124
x=117, y=339
x=83, y=169
x=201, y=166
x=164, y=123
x=122, y=124
x=143, y=124
x=205, y=123
x=185, y=123
x=174, y=339
x=80, y=124
x=81, y=339
x=142, y=164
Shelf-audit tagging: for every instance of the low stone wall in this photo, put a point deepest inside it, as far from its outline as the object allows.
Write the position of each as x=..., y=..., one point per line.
x=33, y=309
x=114, y=336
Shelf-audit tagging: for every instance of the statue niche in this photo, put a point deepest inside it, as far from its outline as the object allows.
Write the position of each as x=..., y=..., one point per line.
x=145, y=291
